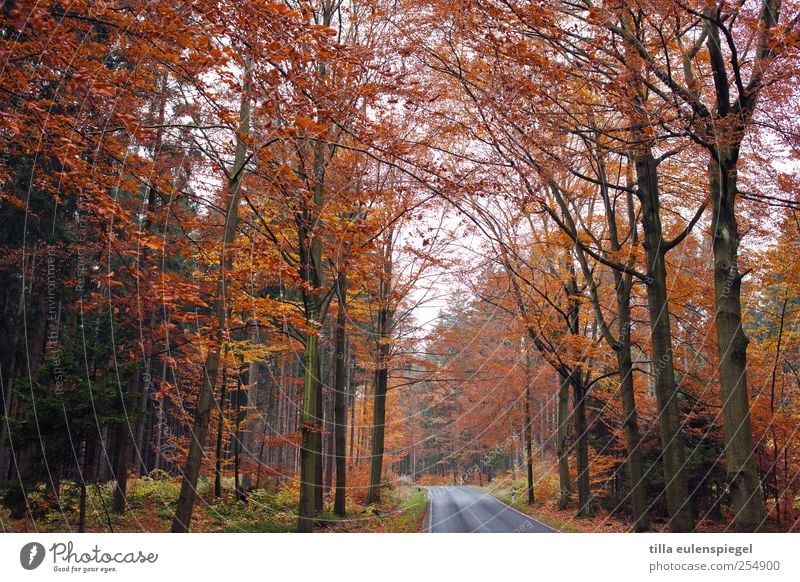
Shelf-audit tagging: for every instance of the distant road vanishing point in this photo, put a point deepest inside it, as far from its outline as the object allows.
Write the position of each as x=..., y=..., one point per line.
x=469, y=510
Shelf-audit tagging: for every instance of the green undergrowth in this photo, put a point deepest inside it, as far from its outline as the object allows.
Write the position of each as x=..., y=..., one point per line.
x=152, y=500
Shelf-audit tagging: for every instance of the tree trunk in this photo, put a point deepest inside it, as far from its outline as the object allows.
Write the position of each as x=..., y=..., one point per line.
x=353, y=398
x=528, y=431
x=310, y=247
x=576, y=379
x=87, y=475
x=673, y=458
x=220, y=431
x=384, y=326
x=562, y=444
x=378, y=433
x=622, y=348
x=742, y=475
x=123, y=445
x=82, y=488
x=633, y=437
x=309, y=453
x=197, y=442
x=238, y=486
x=340, y=400
x=585, y=508
x=318, y=442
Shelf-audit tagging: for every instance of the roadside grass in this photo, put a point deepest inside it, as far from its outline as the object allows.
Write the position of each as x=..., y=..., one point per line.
x=544, y=508
x=534, y=512
x=413, y=512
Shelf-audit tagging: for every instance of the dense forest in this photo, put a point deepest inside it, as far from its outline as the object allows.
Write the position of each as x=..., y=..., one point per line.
x=277, y=262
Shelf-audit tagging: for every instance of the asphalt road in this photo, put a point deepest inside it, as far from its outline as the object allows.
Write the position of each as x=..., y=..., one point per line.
x=469, y=510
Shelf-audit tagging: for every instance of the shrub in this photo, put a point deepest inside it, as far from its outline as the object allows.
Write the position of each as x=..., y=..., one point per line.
x=147, y=491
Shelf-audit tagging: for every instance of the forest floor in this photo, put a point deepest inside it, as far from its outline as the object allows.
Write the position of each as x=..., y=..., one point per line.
x=152, y=501
x=545, y=510
x=402, y=511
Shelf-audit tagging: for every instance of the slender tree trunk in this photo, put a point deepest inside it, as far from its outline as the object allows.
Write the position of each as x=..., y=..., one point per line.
x=622, y=345
x=562, y=443
x=673, y=457
x=633, y=436
x=384, y=326
x=160, y=420
x=773, y=470
x=199, y=432
x=197, y=442
x=82, y=487
x=87, y=475
x=329, y=445
x=528, y=430
x=340, y=400
x=742, y=474
x=622, y=349
x=585, y=508
x=353, y=425
x=238, y=487
x=123, y=446
x=82, y=508
x=318, y=442
x=578, y=383
x=220, y=431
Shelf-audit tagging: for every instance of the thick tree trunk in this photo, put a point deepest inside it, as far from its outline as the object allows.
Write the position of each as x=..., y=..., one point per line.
x=743, y=481
x=310, y=247
x=673, y=458
x=309, y=428
x=378, y=433
x=585, y=508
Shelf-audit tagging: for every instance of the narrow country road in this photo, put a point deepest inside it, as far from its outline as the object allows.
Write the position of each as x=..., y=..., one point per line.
x=469, y=510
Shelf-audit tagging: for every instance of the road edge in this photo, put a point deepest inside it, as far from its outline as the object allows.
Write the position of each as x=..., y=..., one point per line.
x=525, y=515
x=426, y=520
